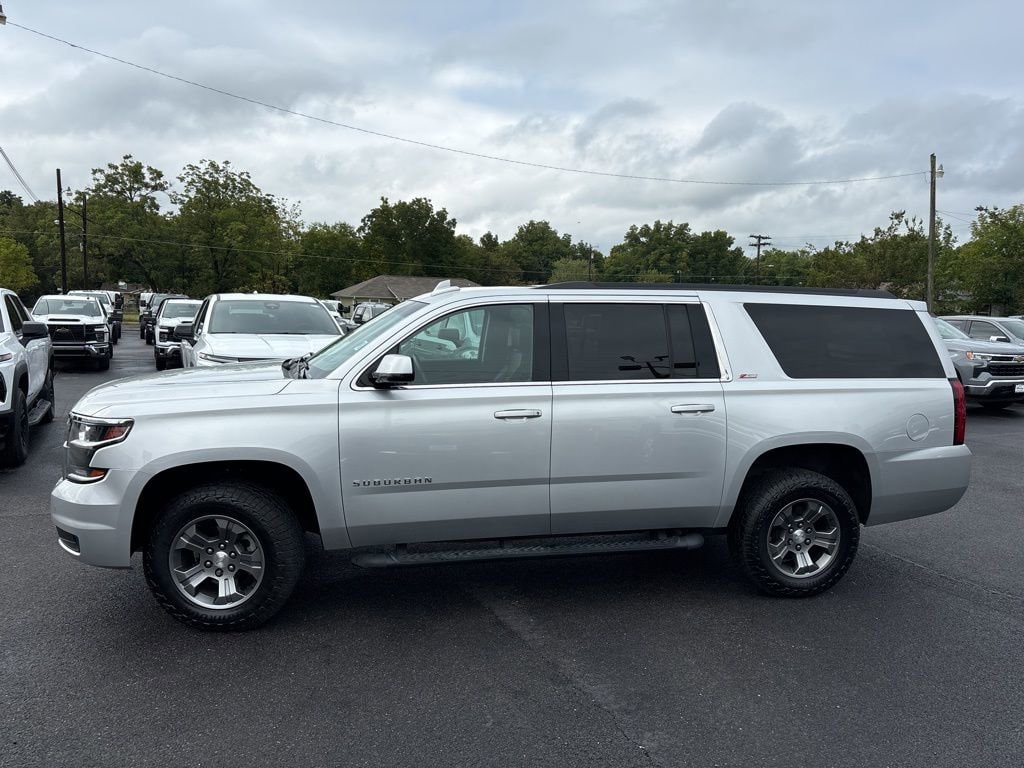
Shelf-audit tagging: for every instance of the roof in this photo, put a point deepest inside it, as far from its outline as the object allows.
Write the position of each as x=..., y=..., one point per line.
x=396, y=287
x=262, y=297
x=867, y=293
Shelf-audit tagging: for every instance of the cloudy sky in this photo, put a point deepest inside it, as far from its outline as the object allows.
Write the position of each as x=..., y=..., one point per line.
x=722, y=90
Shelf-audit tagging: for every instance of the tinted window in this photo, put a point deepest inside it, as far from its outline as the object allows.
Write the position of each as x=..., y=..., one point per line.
x=72, y=305
x=616, y=341
x=12, y=310
x=1016, y=327
x=693, y=350
x=171, y=310
x=450, y=351
x=958, y=324
x=983, y=330
x=812, y=342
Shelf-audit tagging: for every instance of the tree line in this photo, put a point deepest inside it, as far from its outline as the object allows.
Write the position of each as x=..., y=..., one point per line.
x=216, y=230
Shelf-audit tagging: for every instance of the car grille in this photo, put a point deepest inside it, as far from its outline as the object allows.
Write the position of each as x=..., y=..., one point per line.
x=67, y=333
x=1006, y=369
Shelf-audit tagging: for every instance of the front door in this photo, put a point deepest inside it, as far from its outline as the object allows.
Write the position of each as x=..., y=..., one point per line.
x=37, y=352
x=464, y=451
x=639, y=432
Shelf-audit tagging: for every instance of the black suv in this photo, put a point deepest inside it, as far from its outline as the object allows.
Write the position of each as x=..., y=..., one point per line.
x=148, y=315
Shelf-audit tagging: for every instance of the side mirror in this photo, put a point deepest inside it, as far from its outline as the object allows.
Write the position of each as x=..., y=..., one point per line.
x=393, y=371
x=997, y=338
x=31, y=330
x=184, y=332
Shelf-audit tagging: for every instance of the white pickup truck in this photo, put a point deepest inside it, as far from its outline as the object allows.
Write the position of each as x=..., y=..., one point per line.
x=26, y=378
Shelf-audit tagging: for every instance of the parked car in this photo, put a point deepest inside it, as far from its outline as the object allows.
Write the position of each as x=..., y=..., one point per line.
x=1009, y=329
x=26, y=378
x=172, y=312
x=365, y=312
x=992, y=372
x=147, y=316
x=113, y=314
x=592, y=419
x=246, y=327
x=335, y=307
x=78, y=327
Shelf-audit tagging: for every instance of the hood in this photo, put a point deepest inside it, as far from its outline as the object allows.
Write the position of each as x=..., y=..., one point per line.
x=239, y=380
x=66, y=318
x=170, y=322
x=988, y=347
x=259, y=346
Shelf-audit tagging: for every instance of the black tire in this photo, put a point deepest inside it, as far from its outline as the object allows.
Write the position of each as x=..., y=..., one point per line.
x=49, y=394
x=266, y=515
x=142, y=331
x=750, y=530
x=161, y=364
x=103, y=364
x=15, y=450
x=995, y=406
x=149, y=339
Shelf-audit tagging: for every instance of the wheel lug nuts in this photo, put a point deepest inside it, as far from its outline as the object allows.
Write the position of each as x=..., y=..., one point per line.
x=209, y=550
x=234, y=554
x=219, y=572
x=231, y=567
x=797, y=547
x=222, y=545
x=208, y=564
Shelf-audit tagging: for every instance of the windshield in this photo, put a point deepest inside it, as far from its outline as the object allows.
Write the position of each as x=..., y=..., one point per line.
x=271, y=316
x=329, y=358
x=947, y=331
x=67, y=305
x=175, y=309
x=100, y=297
x=1016, y=327
x=331, y=305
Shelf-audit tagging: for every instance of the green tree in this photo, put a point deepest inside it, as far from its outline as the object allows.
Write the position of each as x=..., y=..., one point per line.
x=570, y=270
x=535, y=247
x=987, y=272
x=330, y=259
x=714, y=257
x=781, y=267
x=409, y=238
x=650, y=251
x=16, y=271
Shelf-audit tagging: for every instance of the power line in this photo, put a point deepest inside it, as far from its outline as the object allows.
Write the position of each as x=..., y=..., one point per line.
x=18, y=176
x=456, y=150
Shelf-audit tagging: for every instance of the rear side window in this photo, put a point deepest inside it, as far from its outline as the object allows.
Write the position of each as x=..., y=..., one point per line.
x=615, y=342
x=814, y=342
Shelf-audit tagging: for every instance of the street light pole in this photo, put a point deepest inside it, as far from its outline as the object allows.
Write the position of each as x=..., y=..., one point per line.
x=933, y=174
x=85, y=244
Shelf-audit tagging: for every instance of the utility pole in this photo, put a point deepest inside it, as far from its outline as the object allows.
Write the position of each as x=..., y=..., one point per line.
x=931, y=233
x=759, y=242
x=85, y=244
x=63, y=248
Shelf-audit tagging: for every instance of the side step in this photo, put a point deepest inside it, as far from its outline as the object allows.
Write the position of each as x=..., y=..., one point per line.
x=515, y=549
x=38, y=411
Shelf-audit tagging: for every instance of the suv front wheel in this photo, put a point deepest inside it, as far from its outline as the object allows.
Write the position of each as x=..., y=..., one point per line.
x=795, y=532
x=224, y=556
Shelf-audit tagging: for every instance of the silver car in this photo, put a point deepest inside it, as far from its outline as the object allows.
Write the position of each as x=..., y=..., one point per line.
x=497, y=423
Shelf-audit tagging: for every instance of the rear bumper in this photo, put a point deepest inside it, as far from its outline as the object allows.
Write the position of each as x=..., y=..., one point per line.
x=919, y=483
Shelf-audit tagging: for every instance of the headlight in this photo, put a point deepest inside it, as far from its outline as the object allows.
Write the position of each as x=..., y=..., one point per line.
x=217, y=358
x=979, y=356
x=86, y=435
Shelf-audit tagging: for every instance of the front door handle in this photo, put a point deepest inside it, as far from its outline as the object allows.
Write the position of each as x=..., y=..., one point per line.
x=693, y=408
x=517, y=415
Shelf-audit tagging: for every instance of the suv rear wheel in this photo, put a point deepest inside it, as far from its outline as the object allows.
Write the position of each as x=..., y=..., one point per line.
x=795, y=532
x=224, y=556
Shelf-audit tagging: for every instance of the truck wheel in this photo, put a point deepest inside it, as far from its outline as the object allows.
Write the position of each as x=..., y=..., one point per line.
x=224, y=556
x=795, y=533
x=48, y=394
x=161, y=364
x=103, y=364
x=142, y=331
x=15, y=450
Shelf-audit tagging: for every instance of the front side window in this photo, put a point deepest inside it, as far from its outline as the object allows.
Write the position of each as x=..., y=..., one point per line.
x=270, y=316
x=482, y=345
x=982, y=330
x=12, y=310
x=327, y=360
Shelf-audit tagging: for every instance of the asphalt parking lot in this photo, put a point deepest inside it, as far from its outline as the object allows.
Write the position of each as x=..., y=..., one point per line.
x=915, y=659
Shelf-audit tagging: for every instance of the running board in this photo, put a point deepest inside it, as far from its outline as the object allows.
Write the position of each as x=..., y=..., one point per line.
x=38, y=411
x=512, y=550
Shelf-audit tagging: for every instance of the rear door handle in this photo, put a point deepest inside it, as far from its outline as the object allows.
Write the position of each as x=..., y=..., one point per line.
x=693, y=408
x=517, y=415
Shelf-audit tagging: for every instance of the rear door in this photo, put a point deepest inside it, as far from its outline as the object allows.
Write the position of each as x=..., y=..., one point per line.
x=639, y=427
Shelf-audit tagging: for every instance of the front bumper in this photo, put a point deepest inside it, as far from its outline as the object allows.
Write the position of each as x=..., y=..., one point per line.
x=168, y=351
x=88, y=350
x=91, y=519
x=994, y=389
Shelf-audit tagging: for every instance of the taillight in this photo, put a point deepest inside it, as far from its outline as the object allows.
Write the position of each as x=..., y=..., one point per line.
x=959, y=411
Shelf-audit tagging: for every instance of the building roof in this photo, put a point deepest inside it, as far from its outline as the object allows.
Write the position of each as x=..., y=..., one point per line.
x=396, y=287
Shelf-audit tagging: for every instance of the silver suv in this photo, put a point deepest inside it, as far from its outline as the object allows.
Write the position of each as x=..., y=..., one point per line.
x=487, y=423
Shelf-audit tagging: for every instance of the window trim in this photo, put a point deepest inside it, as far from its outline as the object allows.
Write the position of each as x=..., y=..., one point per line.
x=541, y=347
x=560, y=351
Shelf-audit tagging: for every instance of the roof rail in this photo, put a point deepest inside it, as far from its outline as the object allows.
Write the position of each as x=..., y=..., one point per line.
x=582, y=285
